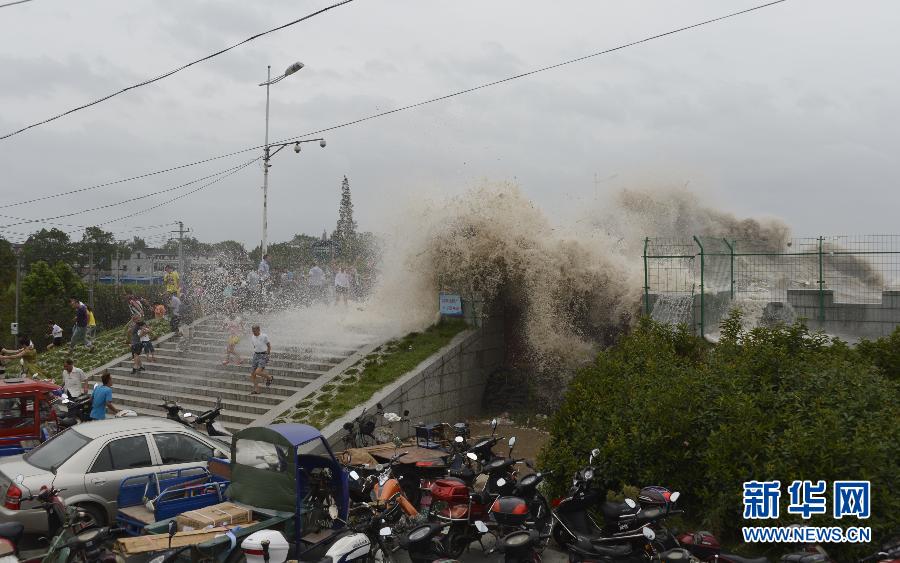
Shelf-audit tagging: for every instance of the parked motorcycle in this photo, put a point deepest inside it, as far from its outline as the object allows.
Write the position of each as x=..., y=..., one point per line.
x=71, y=538
x=706, y=547
x=362, y=431
x=207, y=419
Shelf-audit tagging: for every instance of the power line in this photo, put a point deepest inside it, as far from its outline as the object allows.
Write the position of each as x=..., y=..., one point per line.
x=407, y=107
x=245, y=165
x=173, y=71
x=23, y=221
x=14, y=3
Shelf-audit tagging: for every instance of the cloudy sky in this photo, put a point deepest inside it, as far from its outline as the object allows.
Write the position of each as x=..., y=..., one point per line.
x=786, y=111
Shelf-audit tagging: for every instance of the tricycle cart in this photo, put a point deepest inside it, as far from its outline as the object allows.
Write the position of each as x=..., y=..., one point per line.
x=26, y=415
x=277, y=474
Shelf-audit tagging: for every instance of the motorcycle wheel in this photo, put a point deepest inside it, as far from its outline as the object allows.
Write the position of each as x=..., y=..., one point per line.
x=455, y=543
x=561, y=536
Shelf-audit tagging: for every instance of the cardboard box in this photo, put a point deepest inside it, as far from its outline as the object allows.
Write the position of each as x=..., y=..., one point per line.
x=222, y=514
x=160, y=542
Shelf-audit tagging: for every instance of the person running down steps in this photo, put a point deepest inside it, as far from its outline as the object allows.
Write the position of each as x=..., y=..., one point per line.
x=262, y=347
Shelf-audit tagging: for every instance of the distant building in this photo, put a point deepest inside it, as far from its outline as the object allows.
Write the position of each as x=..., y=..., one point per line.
x=145, y=266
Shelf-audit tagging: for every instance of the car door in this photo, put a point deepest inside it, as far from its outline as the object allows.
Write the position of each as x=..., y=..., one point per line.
x=179, y=450
x=118, y=459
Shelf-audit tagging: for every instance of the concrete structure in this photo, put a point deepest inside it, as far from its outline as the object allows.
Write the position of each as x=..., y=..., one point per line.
x=446, y=387
x=190, y=371
x=849, y=321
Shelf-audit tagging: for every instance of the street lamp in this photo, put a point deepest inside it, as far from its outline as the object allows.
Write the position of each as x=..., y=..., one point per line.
x=266, y=156
x=17, y=250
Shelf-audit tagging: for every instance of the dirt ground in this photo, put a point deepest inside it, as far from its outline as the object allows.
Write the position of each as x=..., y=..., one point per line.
x=529, y=441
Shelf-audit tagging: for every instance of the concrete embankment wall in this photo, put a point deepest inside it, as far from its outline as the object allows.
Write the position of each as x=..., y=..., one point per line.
x=446, y=387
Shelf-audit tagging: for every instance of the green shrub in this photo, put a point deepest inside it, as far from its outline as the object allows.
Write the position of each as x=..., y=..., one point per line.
x=779, y=403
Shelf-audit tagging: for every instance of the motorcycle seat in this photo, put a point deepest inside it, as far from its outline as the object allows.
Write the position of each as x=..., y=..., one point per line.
x=12, y=531
x=613, y=510
x=739, y=559
x=650, y=514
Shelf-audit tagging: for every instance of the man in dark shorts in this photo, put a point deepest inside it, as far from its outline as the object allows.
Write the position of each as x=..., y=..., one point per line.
x=134, y=334
x=261, y=350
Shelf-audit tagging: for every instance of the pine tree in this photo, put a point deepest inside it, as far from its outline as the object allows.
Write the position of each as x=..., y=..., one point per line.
x=345, y=233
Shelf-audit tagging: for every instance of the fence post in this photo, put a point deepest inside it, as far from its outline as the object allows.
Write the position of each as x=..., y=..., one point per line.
x=731, y=250
x=646, y=280
x=702, y=292
x=821, y=283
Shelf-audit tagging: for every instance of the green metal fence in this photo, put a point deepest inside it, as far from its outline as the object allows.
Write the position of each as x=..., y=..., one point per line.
x=697, y=280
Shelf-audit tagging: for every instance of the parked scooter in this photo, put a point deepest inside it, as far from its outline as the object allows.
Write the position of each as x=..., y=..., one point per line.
x=175, y=412
x=621, y=521
x=706, y=547
x=70, y=537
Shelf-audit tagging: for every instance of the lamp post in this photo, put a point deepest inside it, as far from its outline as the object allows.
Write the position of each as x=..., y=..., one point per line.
x=266, y=156
x=17, y=250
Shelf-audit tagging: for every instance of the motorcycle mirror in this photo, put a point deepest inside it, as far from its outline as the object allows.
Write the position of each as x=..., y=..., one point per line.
x=630, y=503
x=481, y=526
x=19, y=479
x=386, y=531
x=472, y=456
x=512, y=442
x=501, y=481
x=65, y=400
x=674, y=496
x=173, y=528
x=96, y=385
x=397, y=441
x=187, y=414
x=458, y=439
x=493, y=425
x=354, y=475
x=406, y=413
x=379, y=407
x=333, y=511
x=648, y=533
x=348, y=426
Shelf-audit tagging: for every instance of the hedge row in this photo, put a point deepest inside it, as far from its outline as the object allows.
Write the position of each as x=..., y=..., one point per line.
x=666, y=408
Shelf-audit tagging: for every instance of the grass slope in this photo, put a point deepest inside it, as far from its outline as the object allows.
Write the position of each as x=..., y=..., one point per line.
x=109, y=345
x=383, y=366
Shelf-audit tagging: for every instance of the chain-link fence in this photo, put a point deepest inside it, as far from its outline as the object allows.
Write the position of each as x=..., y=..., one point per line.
x=697, y=281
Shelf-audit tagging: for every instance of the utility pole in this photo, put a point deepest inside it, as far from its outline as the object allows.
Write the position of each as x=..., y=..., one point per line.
x=91, y=276
x=17, y=249
x=181, y=230
x=118, y=266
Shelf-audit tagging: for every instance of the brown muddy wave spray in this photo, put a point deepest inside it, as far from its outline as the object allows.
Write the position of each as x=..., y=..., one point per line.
x=571, y=289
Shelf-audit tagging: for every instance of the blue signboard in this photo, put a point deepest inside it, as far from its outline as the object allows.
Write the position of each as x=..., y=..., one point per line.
x=451, y=304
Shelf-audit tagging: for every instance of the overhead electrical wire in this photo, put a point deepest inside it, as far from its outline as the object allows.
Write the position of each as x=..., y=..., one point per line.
x=24, y=221
x=14, y=3
x=173, y=71
x=410, y=106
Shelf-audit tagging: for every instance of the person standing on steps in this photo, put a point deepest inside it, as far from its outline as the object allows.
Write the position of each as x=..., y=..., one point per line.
x=92, y=323
x=233, y=327
x=175, y=314
x=262, y=347
x=172, y=281
x=341, y=286
x=102, y=398
x=316, y=284
x=79, y=331
x=134, y=334
x=147, y=343
x=74, y=379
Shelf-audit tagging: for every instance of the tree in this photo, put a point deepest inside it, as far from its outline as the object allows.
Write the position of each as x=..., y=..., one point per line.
x=50, y=246
x=137, y=243
x=7, y=264
x=99, y=245
x=191, y=246
x=345, y=233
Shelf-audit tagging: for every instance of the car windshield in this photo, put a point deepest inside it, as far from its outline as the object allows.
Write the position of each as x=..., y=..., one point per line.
x=55, y=451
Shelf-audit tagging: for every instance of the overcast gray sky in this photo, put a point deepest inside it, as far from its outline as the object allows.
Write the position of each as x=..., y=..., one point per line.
x=786, y=111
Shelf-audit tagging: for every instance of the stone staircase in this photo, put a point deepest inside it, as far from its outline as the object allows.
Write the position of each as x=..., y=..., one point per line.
x=189, y=370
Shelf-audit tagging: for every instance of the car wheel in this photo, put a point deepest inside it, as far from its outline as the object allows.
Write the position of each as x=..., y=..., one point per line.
x=96, y=516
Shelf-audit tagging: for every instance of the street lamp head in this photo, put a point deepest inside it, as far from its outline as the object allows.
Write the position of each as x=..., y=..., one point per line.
x=322, y=143
x=297, y=147
x=293, y=68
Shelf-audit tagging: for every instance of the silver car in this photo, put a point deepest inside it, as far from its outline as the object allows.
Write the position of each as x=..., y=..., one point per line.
x=90, y=460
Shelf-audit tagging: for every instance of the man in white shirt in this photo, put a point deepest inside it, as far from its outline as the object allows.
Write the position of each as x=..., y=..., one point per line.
x=262, y=347
x=74, y=379
x=175, y=314
x=316, y=283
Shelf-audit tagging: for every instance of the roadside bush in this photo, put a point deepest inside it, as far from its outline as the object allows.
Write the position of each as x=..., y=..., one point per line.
x=770, y=403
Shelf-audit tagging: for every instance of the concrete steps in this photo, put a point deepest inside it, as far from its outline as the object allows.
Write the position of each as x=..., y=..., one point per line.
x=189, y=370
